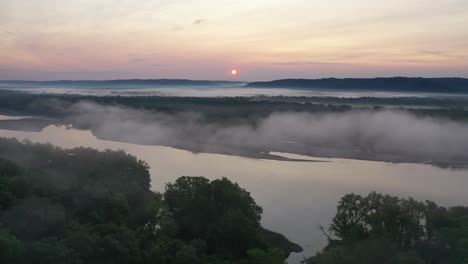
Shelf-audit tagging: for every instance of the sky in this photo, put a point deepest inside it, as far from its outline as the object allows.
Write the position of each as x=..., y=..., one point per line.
x=205, y=39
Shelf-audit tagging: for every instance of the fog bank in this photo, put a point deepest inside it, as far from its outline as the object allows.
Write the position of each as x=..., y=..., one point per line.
x=381, y=135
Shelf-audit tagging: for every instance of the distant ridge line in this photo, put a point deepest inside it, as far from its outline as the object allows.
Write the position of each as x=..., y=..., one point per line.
x=125, y=81
x=402, y=84
x=390, y=84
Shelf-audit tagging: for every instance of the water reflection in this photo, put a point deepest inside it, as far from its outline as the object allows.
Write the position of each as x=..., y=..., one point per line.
x=296, y=197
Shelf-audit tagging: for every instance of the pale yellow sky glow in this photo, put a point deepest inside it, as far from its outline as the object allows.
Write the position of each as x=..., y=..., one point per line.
x=205, y=39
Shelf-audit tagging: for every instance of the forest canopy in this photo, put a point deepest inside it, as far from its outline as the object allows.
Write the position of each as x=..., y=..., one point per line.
x=86, y=206
x=386, y=229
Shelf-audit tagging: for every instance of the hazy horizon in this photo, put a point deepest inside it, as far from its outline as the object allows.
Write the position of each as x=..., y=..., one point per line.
x=225, y=80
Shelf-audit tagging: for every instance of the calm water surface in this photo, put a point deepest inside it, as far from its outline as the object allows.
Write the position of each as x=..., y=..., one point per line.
x=297, y=197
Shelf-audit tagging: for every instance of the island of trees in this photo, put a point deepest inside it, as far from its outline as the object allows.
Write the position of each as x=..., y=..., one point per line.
x=84, y=206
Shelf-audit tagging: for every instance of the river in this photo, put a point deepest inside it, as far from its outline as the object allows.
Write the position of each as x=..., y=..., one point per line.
x=297, y=197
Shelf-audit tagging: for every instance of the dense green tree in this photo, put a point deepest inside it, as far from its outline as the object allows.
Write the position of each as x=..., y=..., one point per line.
x=11, y=249
x=269, y=256
x=84, y=206
x=218, y=212
x=386, y=229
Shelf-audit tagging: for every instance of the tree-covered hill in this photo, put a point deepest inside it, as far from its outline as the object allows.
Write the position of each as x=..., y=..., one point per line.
x=119, y=82
x=86, y=206
x=394, y=84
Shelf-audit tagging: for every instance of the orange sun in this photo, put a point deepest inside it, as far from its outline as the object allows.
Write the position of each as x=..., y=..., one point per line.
x=234, y=72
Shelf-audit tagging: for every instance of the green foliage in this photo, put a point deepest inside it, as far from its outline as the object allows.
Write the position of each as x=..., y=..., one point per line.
x=269, y=256
x=379, y=216
x=84, y=206
x=11, y=248
x=387, y=229
x=220, y=213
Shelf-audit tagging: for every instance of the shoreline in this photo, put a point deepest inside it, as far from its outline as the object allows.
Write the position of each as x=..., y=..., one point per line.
x=38, y=124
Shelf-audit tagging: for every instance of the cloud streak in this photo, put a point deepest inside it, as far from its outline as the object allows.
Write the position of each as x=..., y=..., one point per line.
x=199, y=21
x=311, y=63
